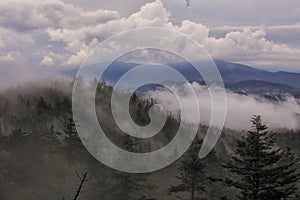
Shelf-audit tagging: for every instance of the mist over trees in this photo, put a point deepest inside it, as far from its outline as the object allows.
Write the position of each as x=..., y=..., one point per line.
x=42, y=157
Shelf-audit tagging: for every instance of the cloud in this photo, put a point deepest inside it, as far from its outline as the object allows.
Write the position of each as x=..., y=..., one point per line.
x=23, y=15
x=12, y=69
x=151, y=14
x=1, y=42
x=9, y=58
x=81, y=39
x=213, y=12
x=236, y=12
x=247, y=45
x=47, y=61
x=77, y=58
x=15, y=70
x=12, y=39
x=239, y=109
x=196, y=30
x=74, y=31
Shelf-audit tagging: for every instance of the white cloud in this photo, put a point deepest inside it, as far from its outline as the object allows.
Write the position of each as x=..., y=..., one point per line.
x=21, y=15
x=81, y=39
x=239, y=109
x=78, y=31
x=151, y=14
x=47, y=61
x=38, y=14
x=12, y=68
x=247, y=45
x=196, y=30
x=227, y=28
x=7, y=58
x=1, y=43
x=11, y=38
x=77, y=58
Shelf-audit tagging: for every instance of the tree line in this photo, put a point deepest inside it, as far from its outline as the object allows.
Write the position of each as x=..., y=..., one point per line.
x=41, y=138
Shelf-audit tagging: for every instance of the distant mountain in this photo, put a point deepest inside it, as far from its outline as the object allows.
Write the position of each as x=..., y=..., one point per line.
x=232, y=72
x=263, y=88
x=237, y=77
x=257, y=86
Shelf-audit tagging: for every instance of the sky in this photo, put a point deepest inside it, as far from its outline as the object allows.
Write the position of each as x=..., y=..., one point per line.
x=36, y=35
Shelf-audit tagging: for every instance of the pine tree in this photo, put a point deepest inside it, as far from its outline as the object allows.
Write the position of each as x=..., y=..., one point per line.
x=58, y=105
x=43, y=106
x=66, y=105
x=71, y=134
x=51, y=138
x=260, y=170
x=133, y=186
x=71, y=129
x=192, y=173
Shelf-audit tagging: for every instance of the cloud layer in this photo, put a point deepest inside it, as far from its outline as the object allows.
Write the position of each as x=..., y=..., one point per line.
x=239, y=109
x=241, y=45
x=70, y=32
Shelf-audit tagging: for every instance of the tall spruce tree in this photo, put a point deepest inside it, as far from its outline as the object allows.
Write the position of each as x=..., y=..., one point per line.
x=192, y=174
x=260, y=170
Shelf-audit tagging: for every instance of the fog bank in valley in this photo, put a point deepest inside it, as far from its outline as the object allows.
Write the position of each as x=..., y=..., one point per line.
x=239, y=108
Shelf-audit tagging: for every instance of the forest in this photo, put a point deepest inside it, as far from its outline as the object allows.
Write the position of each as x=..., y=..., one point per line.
x=42, y=156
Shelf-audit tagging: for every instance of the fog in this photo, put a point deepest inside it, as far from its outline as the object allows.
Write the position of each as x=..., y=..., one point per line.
x=15, y=73
x=239, y=108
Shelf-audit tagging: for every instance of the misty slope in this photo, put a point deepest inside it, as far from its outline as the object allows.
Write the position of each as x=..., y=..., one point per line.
x=36, y=161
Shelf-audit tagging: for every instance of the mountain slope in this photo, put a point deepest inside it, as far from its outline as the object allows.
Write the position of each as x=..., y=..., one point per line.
x=230, y=72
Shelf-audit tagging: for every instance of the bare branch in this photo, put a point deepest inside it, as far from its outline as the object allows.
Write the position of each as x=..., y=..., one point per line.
x=83, y=179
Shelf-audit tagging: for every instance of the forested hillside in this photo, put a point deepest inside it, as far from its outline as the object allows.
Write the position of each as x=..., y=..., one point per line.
x=42, y=157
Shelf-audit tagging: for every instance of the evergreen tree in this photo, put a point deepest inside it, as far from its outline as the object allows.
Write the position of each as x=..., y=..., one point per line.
x=28, y=105
x=43, y=106
x=192, y=173
x=72, y=136
x=58, y=105
x=71, y=129
x=133, y=186
x=260, y=170
x=51, y=138
x=66, y=105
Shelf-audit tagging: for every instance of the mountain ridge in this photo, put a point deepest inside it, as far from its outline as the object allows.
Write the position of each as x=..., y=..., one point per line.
x=230, y=72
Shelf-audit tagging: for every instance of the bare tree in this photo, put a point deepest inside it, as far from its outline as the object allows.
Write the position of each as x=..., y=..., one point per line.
x=82, y=179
